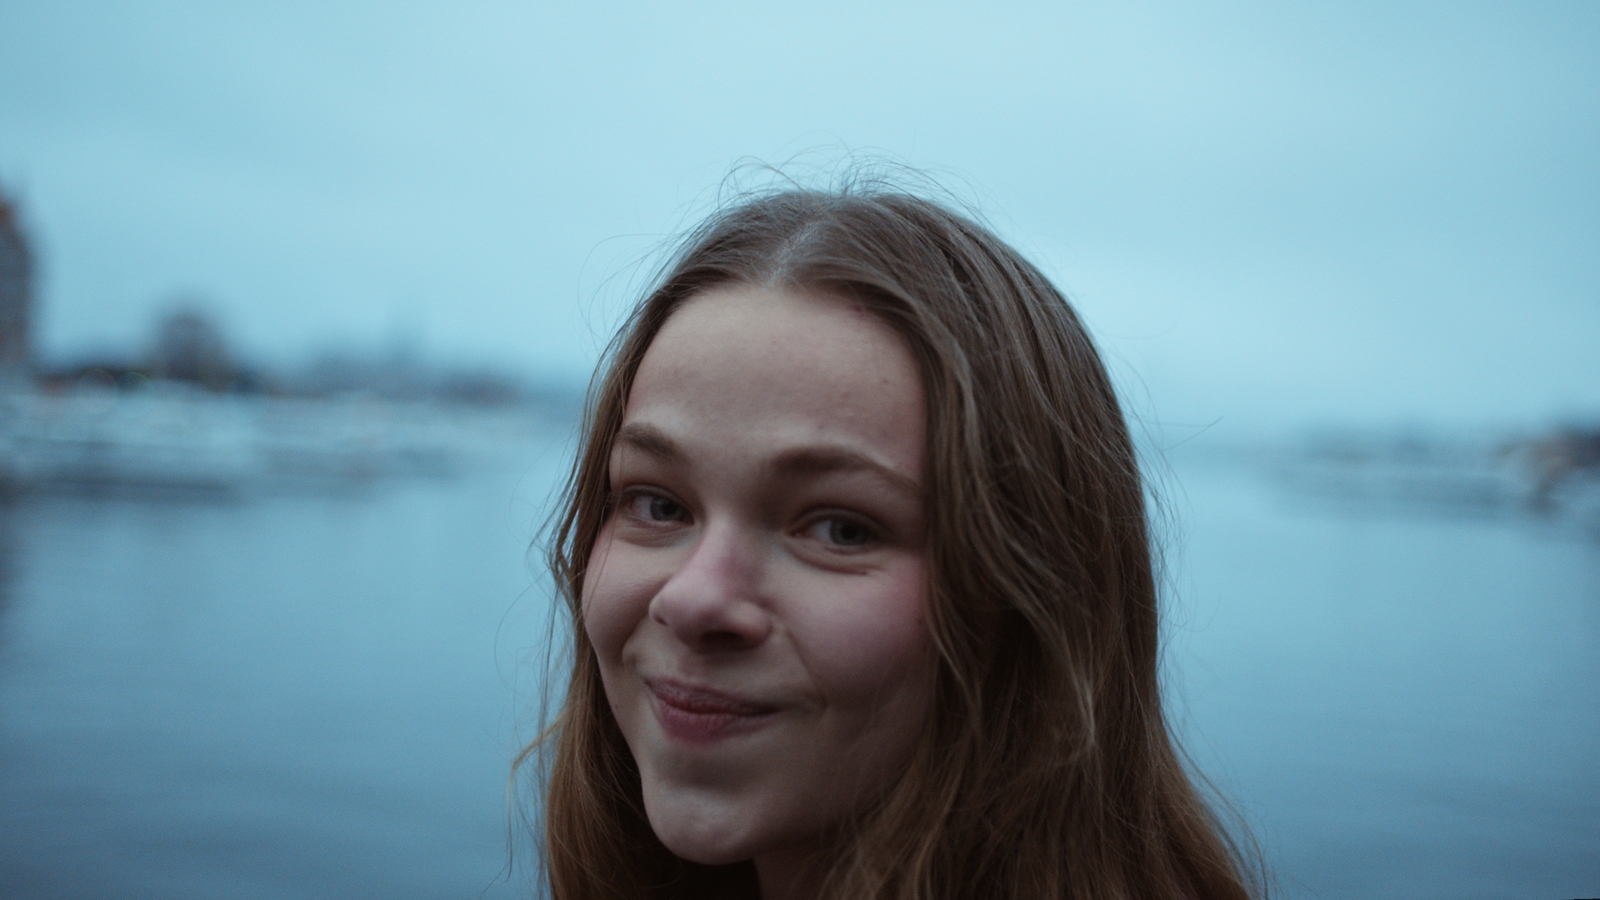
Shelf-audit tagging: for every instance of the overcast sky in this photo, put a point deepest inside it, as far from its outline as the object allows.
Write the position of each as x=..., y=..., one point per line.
x=1268, y=217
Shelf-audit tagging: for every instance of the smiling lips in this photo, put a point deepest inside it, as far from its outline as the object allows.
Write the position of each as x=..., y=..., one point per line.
x=699, y=715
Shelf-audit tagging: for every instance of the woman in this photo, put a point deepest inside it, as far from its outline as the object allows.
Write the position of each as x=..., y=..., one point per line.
x=856, y=555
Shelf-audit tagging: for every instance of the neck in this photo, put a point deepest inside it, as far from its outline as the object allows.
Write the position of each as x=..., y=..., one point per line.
x=787, y=874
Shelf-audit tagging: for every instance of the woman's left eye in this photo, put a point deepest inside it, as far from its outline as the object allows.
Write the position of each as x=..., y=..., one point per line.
x=842, y=532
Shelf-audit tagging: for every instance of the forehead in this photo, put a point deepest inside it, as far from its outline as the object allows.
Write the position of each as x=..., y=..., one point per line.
x=787, y=365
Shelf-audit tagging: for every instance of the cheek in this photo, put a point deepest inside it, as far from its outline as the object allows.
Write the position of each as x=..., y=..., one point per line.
x=615, y=598
x=873, y=637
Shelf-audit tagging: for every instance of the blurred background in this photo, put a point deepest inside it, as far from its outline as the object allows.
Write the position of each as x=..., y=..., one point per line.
x=297, y=303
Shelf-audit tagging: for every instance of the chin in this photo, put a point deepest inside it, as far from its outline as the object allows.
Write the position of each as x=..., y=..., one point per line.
x=705, y=854
x=710, y=838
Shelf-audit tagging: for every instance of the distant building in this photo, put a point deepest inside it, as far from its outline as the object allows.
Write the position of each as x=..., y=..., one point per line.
x=16, y=296
x=189, y=347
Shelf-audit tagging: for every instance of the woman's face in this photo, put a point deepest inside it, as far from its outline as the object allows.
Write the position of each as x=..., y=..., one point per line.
x=756, y=596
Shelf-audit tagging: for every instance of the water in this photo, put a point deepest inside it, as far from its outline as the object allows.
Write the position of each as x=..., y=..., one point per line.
x=308, y=697
x=297, y=697
x=1401, y=706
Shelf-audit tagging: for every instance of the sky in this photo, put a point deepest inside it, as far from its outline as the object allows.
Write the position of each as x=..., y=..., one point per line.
x=1271, y=218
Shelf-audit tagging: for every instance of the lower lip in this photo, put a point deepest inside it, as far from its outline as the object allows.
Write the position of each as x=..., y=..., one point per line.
x=696, y=727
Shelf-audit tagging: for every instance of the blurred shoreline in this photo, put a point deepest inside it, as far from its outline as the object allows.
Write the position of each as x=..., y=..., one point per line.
x=1550, y=476
x=136, y=436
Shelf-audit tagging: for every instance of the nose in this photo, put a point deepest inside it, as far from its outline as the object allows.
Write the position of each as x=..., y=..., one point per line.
x=710, y=603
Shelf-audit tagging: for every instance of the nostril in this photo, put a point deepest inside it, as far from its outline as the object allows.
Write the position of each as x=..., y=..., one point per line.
x=723, y=640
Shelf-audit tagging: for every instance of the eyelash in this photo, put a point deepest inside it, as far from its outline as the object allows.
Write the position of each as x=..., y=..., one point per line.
x=625, y=500
x=869, y=533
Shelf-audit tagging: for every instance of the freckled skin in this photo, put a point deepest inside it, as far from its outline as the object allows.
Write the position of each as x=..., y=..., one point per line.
x=798, y=590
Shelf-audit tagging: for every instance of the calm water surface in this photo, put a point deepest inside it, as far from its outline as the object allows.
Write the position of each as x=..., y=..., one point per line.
x=318, y=697
x=1401, y=706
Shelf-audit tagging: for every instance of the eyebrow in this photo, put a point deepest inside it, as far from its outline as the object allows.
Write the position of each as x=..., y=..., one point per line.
x=651, y=440
x=803, y=461
x=796, y=462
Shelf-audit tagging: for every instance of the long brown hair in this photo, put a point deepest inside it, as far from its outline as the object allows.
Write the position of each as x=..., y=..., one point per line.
x=1047, y=769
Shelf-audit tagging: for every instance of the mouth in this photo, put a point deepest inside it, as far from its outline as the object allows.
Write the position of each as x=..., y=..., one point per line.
x=700, y=715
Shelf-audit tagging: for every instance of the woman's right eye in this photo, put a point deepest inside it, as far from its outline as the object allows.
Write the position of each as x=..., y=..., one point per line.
x=655, y=508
